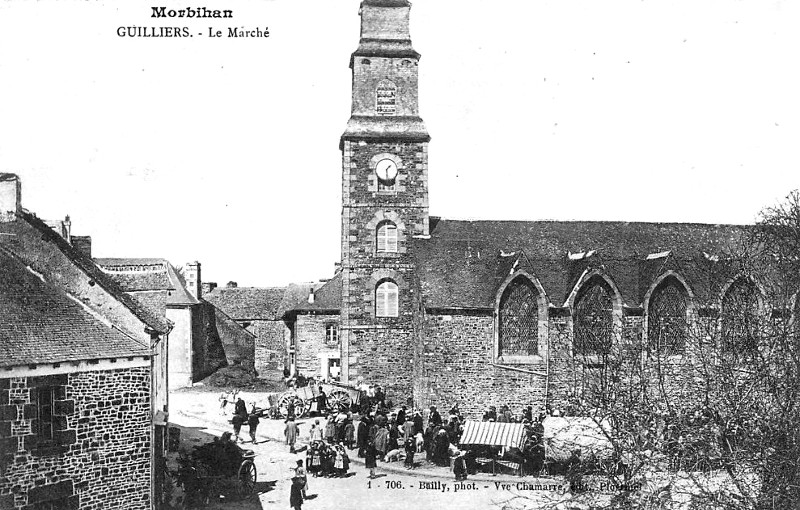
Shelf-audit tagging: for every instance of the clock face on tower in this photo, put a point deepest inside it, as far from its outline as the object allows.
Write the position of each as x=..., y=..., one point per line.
x=386, y=170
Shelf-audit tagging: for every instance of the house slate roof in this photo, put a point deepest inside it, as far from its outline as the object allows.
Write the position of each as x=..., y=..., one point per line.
x=248, y=303
x=39, y=323
x=28, y=229
x=463, y=263
x=327, y=298
x=135, y=275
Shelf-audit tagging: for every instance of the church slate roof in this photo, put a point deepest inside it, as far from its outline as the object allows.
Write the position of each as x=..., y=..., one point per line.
x=40, y=323
x=463, y=263
x=248, y=303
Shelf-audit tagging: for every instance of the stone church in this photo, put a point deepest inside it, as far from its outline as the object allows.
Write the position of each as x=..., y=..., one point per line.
x=484, y=313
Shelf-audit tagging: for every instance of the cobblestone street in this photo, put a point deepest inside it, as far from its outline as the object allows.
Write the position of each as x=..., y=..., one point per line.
x=198, y=415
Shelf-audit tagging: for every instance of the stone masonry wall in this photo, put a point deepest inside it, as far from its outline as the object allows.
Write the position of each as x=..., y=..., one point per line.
x=101, y=455
x=310, y=341
x=458, y=368
x=380, y=349
x=270, y=349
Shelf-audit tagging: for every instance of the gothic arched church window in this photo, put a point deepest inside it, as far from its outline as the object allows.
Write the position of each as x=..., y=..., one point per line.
x=666, y=319
x=386, y=298
x=386, y=237
x=386, y=98
x=740, y=317
x=518, y=319
x=593, y=323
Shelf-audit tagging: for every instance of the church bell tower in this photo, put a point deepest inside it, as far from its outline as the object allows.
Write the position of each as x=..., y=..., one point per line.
x=384, y=200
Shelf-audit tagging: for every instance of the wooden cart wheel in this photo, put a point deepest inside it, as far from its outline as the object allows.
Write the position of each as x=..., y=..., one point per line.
x=247, y=478
x=339, y=400
x=283, y=405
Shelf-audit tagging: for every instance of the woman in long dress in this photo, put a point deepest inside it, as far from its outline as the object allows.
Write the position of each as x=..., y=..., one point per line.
x=291, y=433
x=382, y=441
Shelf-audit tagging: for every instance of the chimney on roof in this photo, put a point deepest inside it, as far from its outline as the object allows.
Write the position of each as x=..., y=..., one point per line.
x=193, y=282
x=311, y=296
x=208, y=287
x=83, y=244
x=10, y=196
x=66, y=229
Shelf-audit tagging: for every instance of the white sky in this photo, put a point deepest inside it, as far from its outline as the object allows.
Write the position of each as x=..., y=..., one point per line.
x=226, y=151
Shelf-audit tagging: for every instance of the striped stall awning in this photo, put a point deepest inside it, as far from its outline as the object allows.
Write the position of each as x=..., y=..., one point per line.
x=511, y=435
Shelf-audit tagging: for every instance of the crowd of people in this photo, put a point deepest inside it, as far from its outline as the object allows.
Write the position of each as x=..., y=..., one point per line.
x=377, y=432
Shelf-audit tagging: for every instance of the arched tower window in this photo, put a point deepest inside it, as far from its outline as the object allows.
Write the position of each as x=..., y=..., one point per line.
x=386, y=299
x=593, y=323
x=740, y=321
x=386, y=98
x=667, y=328
x=519, y=319
x=386, y=237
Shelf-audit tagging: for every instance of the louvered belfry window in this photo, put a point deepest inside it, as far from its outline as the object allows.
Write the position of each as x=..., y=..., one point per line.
x=594, y=323
x=386, y=298
x=666, y=319
x=519, y=319
x=387, y=237
x=740, y=324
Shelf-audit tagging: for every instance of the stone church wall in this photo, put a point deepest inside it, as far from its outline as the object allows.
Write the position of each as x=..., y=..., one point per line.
x=101, y=456
x=458, y=368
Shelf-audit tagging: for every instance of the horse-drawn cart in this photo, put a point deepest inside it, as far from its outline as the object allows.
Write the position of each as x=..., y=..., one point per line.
x=339, y=397
x=214, y=469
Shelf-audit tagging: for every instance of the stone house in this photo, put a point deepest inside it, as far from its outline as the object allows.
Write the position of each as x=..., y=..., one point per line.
x=260, y=310
x=489, y=312
x=83, y=397
x=203, y=337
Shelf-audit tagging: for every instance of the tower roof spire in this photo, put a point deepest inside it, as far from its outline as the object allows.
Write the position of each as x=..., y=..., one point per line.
x=385, y=30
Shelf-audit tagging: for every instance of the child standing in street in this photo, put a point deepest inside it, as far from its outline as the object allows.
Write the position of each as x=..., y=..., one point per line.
x=296, y=495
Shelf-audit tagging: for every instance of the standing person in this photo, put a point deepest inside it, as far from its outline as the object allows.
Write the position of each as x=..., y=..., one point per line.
x=382, y=441
x=252, y=422
x=290, y=431
x=342, y=463
x=300, y=472
x=434, y=417
x=408, y=428
x=401, y=415
x=410, y=447
x=237, y=422
x=296, y=494
x=369, y=458
x=316, y=432
x=460, y=467
x=418, y=429
x=330, y=429
x=223, y=401
x=394, y=435
x=241, y=408
x=362, y=435
x=322, y=401
x=349, y=434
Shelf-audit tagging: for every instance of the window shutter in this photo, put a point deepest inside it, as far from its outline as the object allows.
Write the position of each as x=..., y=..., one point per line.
x=391, y=301
x=380, y=301
x=391, y=238
x=382, y=237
